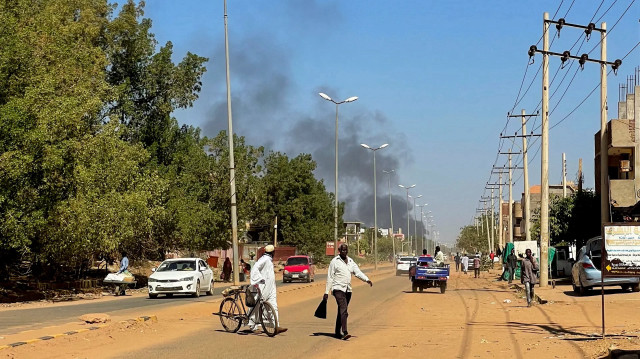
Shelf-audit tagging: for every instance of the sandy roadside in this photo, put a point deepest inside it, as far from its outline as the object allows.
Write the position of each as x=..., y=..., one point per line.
x=114, y=338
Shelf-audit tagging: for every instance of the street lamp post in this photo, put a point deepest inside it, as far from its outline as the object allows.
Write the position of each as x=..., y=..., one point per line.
x=408, y=188
x=422, y=224
x=375, y=204
x=232, y=183
x=393, y=240
x=415, y=224
x=335, y=208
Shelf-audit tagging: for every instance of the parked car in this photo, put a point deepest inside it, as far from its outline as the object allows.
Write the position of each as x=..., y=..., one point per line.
x=181, y=276
x=404, y=263
x=299, y=268
x=585, y=273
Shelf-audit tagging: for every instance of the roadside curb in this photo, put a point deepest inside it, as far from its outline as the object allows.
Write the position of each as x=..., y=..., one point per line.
x=151, y=318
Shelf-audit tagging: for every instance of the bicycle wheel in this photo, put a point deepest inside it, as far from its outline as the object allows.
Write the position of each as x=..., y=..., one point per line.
x=230, y=315
x=268, y=319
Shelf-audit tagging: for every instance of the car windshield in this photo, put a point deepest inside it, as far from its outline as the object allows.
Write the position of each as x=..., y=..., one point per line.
x=180, y=265
x=297, y=261
x=408, y=259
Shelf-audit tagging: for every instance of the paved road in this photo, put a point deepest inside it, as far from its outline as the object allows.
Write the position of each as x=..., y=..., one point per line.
x=18, y=320
x=307, y=335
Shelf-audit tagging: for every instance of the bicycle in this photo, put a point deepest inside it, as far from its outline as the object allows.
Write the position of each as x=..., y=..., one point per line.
x=233, y=311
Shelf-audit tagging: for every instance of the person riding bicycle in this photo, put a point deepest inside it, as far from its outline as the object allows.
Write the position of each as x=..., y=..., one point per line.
x=263, y=275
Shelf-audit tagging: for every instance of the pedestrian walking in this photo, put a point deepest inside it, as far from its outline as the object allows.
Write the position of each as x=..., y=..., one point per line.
x=476, y=266
x=512, y=261
x=457, y=260
x=263, y=275
x=465, y=263
x=226, y=270
x=528, y=274
x=339, y=285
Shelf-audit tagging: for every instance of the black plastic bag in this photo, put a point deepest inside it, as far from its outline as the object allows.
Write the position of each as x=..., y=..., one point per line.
x=321, y=311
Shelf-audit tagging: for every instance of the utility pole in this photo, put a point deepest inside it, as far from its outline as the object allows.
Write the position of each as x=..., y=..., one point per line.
x=501, y=170
x=493, y=226
x=492, y=187
x=500, y=211
x=527, y=195
x=510, y=201
x=544, y=167
x=232, y=174
x=486, y=219
x=580, y=175
x=544, y=173
x=564, y=176
x=525, y=165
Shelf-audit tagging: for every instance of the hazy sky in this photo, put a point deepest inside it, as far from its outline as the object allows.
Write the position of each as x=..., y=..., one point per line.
x=435, y=80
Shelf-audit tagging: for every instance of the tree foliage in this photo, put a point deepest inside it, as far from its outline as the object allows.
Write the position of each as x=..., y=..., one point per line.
x=92, y=161
x=572, y=220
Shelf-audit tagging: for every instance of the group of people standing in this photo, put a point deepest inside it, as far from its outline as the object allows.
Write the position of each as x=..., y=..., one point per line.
x=464, y=261
x=528, y=268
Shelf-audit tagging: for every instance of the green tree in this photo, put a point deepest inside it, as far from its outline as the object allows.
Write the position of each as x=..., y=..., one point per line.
x=52, y=90
x=303, y=207
x=572, y=220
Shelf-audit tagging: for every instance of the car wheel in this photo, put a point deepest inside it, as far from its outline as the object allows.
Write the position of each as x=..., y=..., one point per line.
x=414, y=287
x=169, y=295
x=153, y=296
x=210, y=291
x=635, y=287
x=313, y=279
x=197, y=293
x=309, y=279
x=397, y=273
x=443, y=287
x=625, y=287
x=421, y=288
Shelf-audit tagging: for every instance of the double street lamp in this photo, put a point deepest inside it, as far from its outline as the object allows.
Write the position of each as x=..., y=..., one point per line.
x=375, y=203
x=335, y=211
x=408, y=188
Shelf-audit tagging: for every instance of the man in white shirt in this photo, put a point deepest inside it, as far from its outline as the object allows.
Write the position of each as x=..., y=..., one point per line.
x=339, y=284
x=263, y=275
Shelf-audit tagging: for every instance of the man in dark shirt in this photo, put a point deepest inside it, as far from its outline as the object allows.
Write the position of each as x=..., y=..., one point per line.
x=512, y=261
x=528, y=274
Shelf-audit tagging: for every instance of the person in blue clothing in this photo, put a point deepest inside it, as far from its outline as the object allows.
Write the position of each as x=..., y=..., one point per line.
x=124, y=264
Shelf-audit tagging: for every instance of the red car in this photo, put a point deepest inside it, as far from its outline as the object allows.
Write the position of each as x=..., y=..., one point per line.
x=298, y=268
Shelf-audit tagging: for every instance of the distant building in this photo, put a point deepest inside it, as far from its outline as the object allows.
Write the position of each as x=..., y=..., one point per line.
x=623, y=137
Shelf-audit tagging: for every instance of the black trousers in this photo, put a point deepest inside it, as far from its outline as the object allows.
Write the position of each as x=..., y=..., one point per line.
x=343, y=300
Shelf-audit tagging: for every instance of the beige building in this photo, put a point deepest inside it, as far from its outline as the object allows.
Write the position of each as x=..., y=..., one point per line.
x=622, y=150
x=517, y=209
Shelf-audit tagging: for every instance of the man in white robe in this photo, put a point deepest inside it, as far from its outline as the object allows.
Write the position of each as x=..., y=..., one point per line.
x=263, y=275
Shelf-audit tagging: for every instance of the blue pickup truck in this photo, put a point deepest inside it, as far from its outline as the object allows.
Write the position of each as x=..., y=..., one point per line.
x=426, y=274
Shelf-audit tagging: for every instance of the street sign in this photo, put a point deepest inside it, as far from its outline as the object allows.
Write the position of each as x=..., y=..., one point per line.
x=621, y=249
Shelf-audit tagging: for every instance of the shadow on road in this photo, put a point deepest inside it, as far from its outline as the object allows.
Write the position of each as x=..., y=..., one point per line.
x=320, y=334
x=596, y=291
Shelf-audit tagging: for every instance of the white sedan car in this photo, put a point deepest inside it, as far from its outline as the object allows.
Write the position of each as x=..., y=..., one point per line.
x=181, y=276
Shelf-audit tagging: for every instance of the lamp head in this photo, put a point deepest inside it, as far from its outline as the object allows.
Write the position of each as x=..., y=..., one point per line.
x=383, y=146
x=350, y=99
x=324, y=96
x=365, y=146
